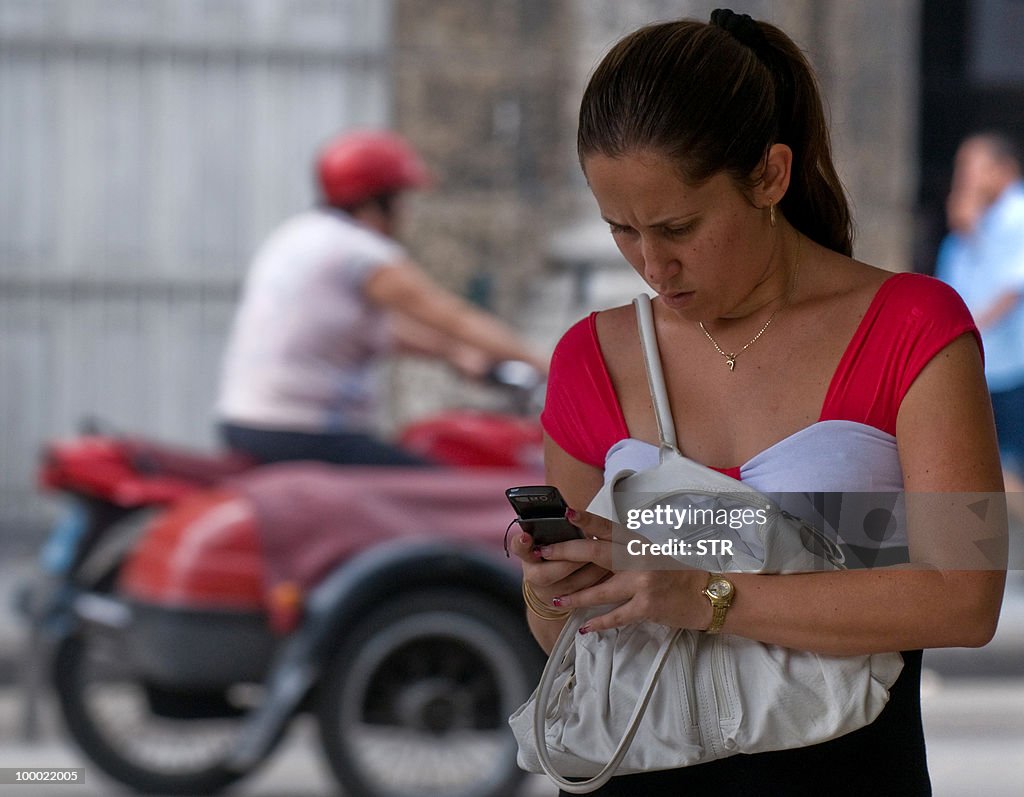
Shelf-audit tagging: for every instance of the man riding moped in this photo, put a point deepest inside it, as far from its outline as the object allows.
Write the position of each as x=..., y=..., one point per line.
x=327, y=295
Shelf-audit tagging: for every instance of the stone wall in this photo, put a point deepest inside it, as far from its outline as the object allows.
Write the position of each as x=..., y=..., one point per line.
x=478, y=86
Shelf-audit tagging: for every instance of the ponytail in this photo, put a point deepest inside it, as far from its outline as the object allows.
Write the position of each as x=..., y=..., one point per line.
x=815, y=202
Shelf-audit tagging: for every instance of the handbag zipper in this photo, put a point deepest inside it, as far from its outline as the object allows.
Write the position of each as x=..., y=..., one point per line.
x=688, y=688
x=724, y=698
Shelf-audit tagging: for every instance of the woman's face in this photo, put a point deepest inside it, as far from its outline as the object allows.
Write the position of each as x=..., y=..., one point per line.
x=706, y=250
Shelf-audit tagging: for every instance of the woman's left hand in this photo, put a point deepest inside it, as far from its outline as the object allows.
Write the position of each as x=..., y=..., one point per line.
x=670, y=596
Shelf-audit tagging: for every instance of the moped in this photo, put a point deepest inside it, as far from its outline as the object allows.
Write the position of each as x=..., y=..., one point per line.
x=194, y=609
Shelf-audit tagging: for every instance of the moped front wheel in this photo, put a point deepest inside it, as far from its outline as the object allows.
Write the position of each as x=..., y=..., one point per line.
x=153, y=740
x=416, y=698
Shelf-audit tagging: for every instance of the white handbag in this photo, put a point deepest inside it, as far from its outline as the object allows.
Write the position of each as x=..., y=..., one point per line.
x=649, y=697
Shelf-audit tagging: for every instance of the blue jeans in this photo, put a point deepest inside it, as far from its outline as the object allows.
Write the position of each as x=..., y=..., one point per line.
x=340, y=448
x=1008, y=408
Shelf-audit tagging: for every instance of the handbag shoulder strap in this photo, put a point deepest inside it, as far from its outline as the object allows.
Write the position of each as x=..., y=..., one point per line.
x=655, y=375
x=543, y=698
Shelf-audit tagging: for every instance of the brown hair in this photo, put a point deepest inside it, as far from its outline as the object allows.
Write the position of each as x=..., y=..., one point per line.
x=697, y=93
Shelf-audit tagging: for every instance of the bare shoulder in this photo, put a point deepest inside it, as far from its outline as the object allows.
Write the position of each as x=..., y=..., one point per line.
x=619, y=339
x=838, y=281
x=615, y=322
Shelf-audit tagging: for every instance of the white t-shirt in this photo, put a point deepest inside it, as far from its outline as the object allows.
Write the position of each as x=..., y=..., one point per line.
x=305, y=338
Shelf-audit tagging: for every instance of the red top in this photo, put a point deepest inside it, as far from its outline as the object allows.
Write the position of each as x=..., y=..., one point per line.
x=910, y=319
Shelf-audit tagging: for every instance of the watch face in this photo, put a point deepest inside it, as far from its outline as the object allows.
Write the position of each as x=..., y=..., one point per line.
x=720, y=588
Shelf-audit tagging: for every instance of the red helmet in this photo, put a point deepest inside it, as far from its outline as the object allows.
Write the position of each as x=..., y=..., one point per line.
x=358, y=166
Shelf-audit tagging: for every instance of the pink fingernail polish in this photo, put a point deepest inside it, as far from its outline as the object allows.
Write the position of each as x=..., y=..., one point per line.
x=556, y=601
x=572, y=515
x=585, y=629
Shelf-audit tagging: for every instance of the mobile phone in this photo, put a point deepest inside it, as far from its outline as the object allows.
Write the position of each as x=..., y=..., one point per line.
x=541, y=510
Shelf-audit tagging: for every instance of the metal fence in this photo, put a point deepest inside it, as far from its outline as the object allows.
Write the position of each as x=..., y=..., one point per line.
x=145, y=148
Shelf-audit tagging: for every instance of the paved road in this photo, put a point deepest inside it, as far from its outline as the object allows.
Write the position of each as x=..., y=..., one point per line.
x=295, y=769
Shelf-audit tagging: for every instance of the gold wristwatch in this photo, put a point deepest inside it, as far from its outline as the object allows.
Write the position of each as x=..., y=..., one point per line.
x=720, y=592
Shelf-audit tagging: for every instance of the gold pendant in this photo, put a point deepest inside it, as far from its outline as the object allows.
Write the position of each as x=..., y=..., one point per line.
x=731, y=362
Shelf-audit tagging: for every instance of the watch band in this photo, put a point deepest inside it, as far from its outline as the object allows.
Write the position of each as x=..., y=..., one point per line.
x=720, y=592
x=718, y=612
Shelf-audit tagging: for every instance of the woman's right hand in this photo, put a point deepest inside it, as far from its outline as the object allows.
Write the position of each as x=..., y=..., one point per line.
x=548, y=580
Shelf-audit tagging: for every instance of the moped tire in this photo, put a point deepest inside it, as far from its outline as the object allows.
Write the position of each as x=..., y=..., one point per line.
x=108, y=714
x=416, y=697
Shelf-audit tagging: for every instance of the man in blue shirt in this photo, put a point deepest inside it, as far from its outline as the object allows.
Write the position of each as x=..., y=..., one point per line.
x=983, y=259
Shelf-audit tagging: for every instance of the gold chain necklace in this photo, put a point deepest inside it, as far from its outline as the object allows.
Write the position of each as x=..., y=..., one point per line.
x=730, y=357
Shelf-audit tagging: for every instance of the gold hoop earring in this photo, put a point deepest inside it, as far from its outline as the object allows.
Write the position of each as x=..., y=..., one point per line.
x=771, y=213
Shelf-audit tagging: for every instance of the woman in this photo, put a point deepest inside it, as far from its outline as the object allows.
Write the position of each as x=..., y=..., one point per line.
x=789, y=365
